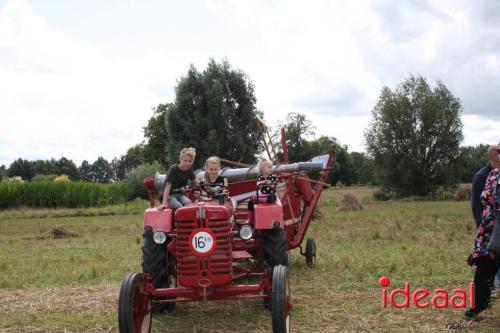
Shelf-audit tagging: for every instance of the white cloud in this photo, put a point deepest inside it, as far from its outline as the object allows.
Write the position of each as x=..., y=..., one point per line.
x=83, y=92
x=62, y=97
x=480, y=130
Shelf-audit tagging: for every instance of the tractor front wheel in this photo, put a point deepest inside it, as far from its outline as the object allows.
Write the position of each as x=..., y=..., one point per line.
x=275, y=247
x=310, y=252
x=280, y=300
x=134, y=306
x=155, y=262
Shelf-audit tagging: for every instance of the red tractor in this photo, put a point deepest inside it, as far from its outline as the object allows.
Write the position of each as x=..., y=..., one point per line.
x=205, y=250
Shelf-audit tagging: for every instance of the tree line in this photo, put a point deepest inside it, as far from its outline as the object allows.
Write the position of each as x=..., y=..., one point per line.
x=412, y=141
x=350, y=168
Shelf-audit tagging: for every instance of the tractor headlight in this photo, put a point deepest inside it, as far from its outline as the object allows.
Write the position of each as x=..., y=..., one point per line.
x=159, y=237
x=246, y=232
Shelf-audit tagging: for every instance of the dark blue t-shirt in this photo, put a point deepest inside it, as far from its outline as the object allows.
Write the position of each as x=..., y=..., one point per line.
x=478, y=182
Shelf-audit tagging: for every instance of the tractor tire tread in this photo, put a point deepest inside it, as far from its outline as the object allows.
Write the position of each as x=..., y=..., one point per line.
x=275, y=247
x=154, y=262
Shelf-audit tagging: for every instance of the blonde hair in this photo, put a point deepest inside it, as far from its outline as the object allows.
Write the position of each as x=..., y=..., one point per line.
x=262, y=163
x=190, y=152
x=211, y=160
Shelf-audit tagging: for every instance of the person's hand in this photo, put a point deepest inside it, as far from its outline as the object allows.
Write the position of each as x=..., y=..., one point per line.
x=162, y=207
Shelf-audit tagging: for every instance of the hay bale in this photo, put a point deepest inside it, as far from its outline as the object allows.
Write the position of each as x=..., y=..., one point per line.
x=350, y=203
x=463, y=192
x=59, y=232
x=317, y=214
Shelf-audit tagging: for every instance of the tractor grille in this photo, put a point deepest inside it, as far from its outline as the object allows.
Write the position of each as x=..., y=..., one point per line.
x=216, y=268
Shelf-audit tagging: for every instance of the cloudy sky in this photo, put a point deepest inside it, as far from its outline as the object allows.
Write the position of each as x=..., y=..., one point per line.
x=79, y=78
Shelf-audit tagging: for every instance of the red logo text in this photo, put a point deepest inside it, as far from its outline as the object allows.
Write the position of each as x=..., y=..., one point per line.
x=422, y=298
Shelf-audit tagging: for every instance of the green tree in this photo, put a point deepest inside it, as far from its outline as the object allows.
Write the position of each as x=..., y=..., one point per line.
x=343, y=167
x=101, y=171
x=86, y=171
x=63, y=166
x=297, y=129
x=320, y=146
x=3, y=172
x=156, y=134
x=214, y=112
x=472, y=158
x=414, y=137
x=316, y=147
x=134, y=157
x=41, y=167
x=21, y=168
x=118, y=168
x=67, y=167
x=364, y=169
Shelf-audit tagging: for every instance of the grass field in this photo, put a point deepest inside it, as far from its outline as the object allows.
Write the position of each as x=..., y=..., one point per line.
x=71, y=284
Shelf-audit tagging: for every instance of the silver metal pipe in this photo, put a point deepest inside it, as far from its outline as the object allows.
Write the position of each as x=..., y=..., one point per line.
x=318, y=163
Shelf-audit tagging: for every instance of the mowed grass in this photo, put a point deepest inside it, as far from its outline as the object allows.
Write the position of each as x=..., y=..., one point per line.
x=72, y=284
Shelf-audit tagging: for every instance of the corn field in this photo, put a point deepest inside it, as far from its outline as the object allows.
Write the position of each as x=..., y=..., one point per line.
x=61, y=194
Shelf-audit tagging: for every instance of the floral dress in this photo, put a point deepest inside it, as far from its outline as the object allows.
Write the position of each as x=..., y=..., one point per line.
x=491, y=189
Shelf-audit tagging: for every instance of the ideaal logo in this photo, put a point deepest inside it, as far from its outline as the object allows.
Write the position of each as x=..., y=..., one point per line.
x=420, y=297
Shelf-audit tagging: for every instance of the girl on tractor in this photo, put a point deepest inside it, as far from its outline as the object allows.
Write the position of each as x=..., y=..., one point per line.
x=212, y=183
x=266, y=187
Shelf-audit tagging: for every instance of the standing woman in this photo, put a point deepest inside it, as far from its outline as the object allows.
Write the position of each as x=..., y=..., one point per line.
x=486, y=263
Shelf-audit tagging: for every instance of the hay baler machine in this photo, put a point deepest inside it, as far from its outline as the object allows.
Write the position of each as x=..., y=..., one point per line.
x=209, y=249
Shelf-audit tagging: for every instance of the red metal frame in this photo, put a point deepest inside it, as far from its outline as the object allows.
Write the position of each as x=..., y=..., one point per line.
x=227, y=292
x=309, y=210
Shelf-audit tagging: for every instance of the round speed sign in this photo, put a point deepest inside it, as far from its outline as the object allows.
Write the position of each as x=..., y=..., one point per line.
x=202, y=242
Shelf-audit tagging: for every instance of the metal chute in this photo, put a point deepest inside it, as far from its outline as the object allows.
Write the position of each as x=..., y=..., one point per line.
x=318, y=163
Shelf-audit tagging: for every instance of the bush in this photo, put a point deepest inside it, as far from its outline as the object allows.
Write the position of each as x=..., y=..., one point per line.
x=43, y=178
x=62, y=178
x=135, y=179
x=444, y=193
x=382, y=196
x=463, y=192
x=15, y=179
x=61, y=194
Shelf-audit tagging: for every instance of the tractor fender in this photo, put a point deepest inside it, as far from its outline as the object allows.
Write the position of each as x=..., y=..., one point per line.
x=158, y=219
x=268, y=216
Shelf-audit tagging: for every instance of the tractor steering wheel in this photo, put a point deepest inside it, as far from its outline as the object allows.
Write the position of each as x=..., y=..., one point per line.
x=207, y=188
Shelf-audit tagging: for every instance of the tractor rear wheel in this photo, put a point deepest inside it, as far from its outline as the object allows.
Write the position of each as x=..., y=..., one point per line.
x=280, y=300
x=275, y=247
x=155, y=262
x=134, y=306
x=310, y=252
